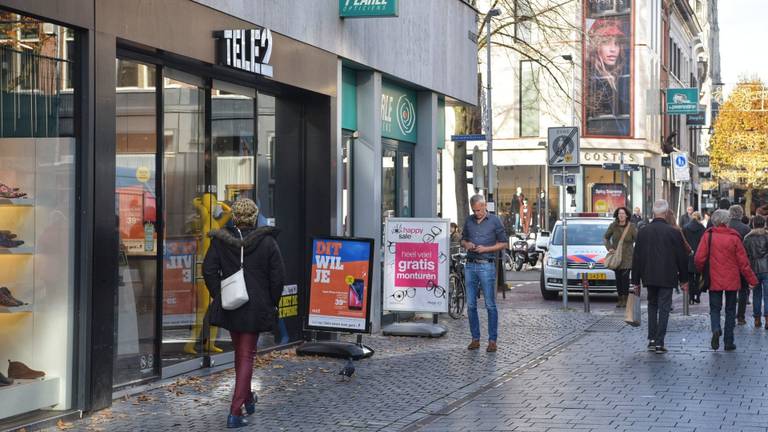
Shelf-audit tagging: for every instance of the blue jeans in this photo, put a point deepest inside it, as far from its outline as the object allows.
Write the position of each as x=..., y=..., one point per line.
x=760, y=296
x=483, y=274
x=715, y=304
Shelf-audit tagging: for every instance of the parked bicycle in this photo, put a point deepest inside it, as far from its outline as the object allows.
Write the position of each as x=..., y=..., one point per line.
x=457, y=292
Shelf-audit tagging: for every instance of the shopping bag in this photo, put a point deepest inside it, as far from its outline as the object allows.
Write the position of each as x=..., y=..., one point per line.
x=632, y=313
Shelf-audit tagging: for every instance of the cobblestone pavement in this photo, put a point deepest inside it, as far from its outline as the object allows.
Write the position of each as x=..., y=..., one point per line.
x=405, y=381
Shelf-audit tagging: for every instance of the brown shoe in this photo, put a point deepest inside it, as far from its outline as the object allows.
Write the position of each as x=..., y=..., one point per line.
x=7, y=299
x=475, y=344
x=18, y=370
x=491, y=346
x=766, y=322
x=758, y=324
x=741, y=321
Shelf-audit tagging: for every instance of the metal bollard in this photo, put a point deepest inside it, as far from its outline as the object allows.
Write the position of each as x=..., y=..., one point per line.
x=585, y=286
x=686, y=305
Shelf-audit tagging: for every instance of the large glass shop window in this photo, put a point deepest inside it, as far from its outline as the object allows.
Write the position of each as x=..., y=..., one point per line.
x=37, y=215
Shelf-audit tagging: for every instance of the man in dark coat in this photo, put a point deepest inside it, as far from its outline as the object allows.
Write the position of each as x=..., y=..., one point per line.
x=692, y=233
x=737, y=212
x=685, y=218
x=661, y=263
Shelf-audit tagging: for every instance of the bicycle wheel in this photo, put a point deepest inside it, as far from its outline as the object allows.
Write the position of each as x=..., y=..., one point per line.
x=456, y=297
x=508, y=262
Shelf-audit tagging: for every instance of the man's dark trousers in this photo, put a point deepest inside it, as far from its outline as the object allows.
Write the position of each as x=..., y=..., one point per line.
x=743, y=299
x=659, y=306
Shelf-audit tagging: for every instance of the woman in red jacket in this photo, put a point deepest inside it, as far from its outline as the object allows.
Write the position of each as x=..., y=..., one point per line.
x=728, y=262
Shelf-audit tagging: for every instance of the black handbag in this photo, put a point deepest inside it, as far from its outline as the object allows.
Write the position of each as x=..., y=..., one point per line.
x=706, y=281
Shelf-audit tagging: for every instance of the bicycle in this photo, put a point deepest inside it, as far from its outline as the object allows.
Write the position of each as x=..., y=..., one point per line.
x=457, y=292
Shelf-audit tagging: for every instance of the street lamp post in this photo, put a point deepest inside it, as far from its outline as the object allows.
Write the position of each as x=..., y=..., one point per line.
x=489, y=107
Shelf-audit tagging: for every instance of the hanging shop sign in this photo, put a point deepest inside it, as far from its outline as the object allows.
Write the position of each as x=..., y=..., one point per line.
x=398, y=112
x=682, y=101
x=367, y=8
x=340, y=284
x=248, y=49
x=698, y=119
x=416, y=265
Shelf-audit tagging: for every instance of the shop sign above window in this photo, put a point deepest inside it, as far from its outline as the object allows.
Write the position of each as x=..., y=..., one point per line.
x=248, y=49
x=367, y=8
x=398, y=112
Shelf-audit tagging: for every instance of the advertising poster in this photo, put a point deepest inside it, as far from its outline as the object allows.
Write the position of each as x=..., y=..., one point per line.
x=179, y=282
x=416, y=265
x=339, y=287
x=607, y=197
x=608, y=61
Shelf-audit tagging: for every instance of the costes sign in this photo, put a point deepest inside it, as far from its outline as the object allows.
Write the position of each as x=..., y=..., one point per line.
x=590, y=157
x=249, y=50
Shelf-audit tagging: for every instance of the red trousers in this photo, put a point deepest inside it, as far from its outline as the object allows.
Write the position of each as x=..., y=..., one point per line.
x=245, y=349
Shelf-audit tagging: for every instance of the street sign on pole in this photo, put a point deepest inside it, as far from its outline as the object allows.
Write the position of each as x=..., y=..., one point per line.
x=470, y=137
x=621, y=167
x=563, y=147
x=680, y=171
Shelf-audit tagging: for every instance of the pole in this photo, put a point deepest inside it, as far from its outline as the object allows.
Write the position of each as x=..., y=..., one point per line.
x=565, y=247
x=489, y=111
x=621, y=170
x=573, y=92
x=585, y=287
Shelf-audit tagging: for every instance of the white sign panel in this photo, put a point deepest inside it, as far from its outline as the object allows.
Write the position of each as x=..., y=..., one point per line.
x=416, y=265
x=680, y=171
x=563, y=147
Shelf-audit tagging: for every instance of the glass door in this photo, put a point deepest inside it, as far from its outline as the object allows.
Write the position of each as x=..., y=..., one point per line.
x=397, y=179
x=190, y=211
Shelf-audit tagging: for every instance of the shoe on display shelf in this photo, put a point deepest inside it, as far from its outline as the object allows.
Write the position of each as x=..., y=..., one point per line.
x=8, y=300
x=10, y=192
x=18, y=370
x=10, y=244
x=5, y=381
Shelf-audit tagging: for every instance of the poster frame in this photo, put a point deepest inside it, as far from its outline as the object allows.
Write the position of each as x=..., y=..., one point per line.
x=368, y=323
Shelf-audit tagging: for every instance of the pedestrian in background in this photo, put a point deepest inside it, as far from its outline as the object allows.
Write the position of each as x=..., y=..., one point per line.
x=693, y=232
x=728, y=263
x=736, y=212
x=483, y=237
x=660, y=263
x=255, y=250
x=621, y=234
x=685, y=218
x=705, y=220
x=756, y=245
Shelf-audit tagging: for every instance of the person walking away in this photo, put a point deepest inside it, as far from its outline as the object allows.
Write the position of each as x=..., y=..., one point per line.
x=756, y=245
x=722, y=248
x=692, y=233
x=685, y=219
x=660, y=262
x=264, y=273
x=483, y=236
x=736, y=213
x=614, y=235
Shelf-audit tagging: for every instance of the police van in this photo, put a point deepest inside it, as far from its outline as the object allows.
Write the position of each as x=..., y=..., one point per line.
x=586, y=254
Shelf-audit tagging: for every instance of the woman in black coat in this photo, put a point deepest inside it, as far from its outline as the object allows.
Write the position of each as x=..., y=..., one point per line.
x=264, y=274
x=693, y=232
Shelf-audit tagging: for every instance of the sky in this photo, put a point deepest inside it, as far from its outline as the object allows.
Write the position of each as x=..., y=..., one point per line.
x=743, y=37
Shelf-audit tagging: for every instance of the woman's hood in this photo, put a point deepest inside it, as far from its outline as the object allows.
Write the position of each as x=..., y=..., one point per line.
x=251, y=236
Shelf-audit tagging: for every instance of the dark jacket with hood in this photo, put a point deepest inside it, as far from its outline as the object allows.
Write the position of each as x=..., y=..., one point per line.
x=264, y=275
x=756, y=244
x=693, y=232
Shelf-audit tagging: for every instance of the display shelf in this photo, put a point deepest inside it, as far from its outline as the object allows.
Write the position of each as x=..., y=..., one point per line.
x=16, y=309
x=28, y=395
x=21, y=250
x=17, y=202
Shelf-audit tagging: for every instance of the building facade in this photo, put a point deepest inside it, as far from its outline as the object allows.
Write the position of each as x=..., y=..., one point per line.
x=127, y=134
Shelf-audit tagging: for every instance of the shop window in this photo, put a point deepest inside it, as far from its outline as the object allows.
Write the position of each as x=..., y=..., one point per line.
x=127, y=74
x=37, y=222
x=519, y=197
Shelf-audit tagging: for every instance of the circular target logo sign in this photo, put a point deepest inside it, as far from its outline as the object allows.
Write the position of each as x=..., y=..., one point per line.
x=406, y=115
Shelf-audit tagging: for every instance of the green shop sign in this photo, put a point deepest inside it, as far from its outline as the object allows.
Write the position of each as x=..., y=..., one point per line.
x=398, y=112
x=682, y=101
x=367, y=8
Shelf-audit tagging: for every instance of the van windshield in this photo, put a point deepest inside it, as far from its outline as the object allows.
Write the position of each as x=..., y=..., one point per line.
x=582, y=234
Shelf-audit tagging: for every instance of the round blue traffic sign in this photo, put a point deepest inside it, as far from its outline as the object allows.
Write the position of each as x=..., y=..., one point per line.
x=680, y=161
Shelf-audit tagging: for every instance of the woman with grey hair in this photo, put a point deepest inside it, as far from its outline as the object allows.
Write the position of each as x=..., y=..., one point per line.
x=722, y=259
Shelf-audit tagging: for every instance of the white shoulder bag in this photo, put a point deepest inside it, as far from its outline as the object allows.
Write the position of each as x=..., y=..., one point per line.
x=233, y=291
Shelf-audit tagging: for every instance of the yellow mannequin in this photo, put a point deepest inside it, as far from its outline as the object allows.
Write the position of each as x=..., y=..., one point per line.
x=204, y=205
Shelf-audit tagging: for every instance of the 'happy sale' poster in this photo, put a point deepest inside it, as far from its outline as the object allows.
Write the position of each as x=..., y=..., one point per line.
x=339, y=296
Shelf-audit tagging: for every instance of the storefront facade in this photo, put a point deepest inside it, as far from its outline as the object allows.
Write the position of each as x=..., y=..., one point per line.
x=126, y=138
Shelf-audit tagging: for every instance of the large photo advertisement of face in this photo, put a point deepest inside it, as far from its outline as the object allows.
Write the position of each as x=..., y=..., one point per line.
x=608, y=62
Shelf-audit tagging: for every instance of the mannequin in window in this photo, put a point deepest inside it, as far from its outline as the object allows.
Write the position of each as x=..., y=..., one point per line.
x=514, y=209
x=525, y=217
x=541, y=219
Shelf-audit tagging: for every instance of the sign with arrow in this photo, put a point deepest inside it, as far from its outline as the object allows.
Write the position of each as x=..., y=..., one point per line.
x=563, y=147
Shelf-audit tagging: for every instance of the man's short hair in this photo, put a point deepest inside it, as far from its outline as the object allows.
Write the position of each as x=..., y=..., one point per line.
x=720, y=217
x=736, y=212
x=660, y=208
x=758, y=221
x=476, y=199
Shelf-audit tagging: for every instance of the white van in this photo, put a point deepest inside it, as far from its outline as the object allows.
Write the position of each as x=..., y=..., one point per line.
x=586, y=254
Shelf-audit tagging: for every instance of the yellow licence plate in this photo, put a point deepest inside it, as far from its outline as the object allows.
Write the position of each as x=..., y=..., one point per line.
x=596, y=276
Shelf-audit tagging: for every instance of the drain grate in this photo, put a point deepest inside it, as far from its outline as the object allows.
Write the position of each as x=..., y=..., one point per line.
x=607, y=325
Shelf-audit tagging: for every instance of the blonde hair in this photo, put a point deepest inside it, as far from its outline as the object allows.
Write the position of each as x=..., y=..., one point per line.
x=696, y=215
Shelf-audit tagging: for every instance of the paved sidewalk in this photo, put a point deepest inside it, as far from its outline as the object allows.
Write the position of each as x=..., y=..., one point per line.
x=405, y=381
x=607, y=381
